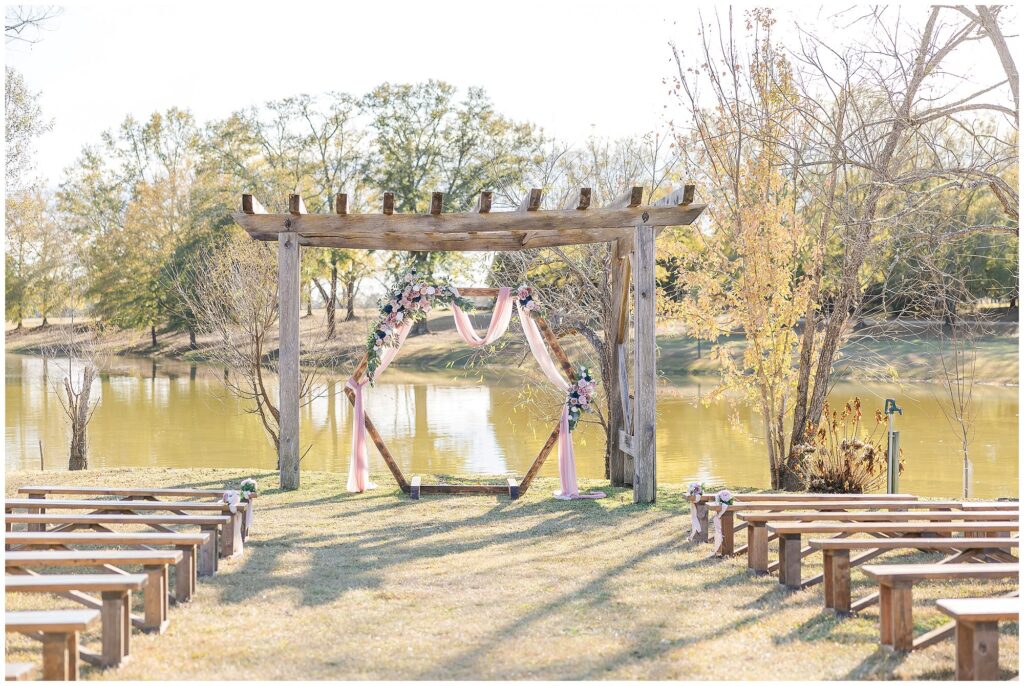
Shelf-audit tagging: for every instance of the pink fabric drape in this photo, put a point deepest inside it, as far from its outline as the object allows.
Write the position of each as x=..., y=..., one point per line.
x=566, y=456
x=500, y=318
x=358, y=464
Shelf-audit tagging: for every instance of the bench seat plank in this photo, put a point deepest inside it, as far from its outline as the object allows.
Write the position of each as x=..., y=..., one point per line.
x=931, y=516
x=128, y=505
x=981, y=609
x=126, y=492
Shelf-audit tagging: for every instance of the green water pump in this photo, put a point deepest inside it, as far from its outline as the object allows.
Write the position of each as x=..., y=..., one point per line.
x=893, y=469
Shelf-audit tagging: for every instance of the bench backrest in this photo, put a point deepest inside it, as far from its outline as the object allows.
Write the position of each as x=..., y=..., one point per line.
x=66, y=558
x=53, y=621
x=981, y=609
x=984, y=570
x=918, y=542
x=59, y=583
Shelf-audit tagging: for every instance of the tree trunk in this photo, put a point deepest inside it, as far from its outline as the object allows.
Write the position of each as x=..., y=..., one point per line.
x=332, y=300
x=192, y=339
x=44, y=322
x=350, y=300
x=152, y=334
x=81, y=412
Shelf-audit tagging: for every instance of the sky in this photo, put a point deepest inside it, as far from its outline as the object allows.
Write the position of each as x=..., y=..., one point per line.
x=574, y=68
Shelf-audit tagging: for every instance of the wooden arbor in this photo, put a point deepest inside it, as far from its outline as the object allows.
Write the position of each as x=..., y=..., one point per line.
x=628, y=224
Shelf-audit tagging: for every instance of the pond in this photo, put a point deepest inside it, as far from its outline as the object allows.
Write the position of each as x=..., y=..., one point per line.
x=161, y=413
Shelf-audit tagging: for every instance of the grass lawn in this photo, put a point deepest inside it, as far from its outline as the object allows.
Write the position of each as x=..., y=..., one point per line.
x=375, y=586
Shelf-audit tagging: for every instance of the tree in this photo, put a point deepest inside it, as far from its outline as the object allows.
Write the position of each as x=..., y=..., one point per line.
x=74, y=386
x=232, y=295
x=746, y=273
x=24, y=123
x=425, y=140
x=23, y=22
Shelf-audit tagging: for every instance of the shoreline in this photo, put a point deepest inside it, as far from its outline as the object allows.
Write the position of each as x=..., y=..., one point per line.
x=900, y=357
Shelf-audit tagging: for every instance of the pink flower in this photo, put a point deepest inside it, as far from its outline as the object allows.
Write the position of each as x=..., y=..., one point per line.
x=523, y=293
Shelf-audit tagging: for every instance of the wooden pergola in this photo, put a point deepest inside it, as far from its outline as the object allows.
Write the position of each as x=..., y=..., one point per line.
x=629, y=225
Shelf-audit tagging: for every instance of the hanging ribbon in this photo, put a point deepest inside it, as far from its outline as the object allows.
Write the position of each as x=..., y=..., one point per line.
x=723, y=499
x=500, y=318
x=566, y=456
x=232, y=499
x=697, y=511
x=250, y=513
x=358, y=464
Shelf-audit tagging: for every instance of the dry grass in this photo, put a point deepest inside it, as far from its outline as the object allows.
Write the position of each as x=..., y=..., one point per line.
x=374, y=586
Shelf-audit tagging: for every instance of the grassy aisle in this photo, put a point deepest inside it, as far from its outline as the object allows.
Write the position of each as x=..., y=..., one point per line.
x=374, y=586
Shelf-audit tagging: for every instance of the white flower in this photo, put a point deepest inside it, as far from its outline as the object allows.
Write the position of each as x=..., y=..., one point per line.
x=399, y=316
x=431, y=290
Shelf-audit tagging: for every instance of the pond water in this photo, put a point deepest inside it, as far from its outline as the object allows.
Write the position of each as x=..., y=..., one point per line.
x=158, y=413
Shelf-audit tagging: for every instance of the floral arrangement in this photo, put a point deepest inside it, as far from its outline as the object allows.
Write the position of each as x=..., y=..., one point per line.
x=525, y=296
x=410, y=300
x=581, y=396
x=248, y=489
x=724, y=497
x=695, y=490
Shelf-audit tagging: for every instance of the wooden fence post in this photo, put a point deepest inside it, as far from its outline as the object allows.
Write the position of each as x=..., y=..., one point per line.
x=288, y=289
x=645, y=451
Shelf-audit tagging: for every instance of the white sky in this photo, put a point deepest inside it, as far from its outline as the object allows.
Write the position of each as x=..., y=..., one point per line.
x=572, y=67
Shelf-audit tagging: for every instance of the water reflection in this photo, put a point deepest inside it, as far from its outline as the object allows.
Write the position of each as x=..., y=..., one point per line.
x=172, y=414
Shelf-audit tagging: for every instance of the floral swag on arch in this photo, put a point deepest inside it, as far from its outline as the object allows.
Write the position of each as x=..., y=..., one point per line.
x=411, y=300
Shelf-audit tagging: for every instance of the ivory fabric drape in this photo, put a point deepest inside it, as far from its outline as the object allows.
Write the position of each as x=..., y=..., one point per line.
x=566, y=455
x=359, y=465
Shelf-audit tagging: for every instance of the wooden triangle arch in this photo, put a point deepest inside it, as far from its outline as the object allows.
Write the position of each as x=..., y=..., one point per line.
x=514, y=488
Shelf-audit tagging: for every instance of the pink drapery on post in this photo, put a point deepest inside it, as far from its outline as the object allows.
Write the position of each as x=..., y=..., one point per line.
x=500, y=318
x=566, y=456
x=359, y=465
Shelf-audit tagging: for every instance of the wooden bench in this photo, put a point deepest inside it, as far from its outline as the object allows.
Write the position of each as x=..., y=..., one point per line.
x=977, y=634
x=115, y=613
x=185, y=572
x=153, y=562
x=58, y=630
x=231, y=541
x=838, y=562
x=896, y=583
x=19, y=671
x=702, y=502
x=208, y=524
x=758, y=536
x=139, y=493
x=791, y=553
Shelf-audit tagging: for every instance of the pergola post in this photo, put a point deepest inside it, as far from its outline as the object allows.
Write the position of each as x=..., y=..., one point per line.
x=289, y=306
x=644, y=436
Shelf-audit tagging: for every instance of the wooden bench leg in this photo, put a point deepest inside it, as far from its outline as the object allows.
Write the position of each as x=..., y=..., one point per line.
x=902, y=609
x=828, y=582
x=757, y=548
x=702, y=517
x=728, y=534
x=208, y=553
x=60, y=656
x=231, y=541
x=977, y=651
x=155, y=599
x=414, y=489
x=840, y=565
x=789, y=561
x=36, y=510
x=184, y=574
x=885, y=614
x=112, y=617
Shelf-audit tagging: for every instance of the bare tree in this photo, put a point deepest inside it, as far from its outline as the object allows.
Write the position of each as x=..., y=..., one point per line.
x=23, y=22
x=79, y=359
x=232, y=293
